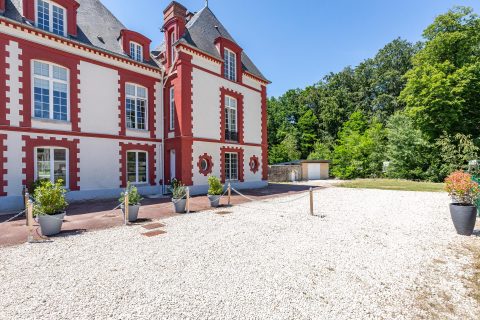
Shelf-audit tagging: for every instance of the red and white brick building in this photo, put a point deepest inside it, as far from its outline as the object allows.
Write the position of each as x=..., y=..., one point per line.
x=84, y=99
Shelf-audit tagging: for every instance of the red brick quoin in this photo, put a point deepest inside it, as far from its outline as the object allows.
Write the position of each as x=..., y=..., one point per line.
x=29, y=158
x=3, y=161
x=149, y=149
x=209, y=160
x=4, y=77
x=240, y=152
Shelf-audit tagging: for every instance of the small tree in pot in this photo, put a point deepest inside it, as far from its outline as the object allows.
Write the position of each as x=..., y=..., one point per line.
x=50, y=205
x=215, y=190
x=179, y=196
x=134, y=199
x=464, y=193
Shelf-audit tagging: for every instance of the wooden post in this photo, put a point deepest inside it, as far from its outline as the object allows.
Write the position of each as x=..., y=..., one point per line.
x=30, y=221
x=188, y=200
x=229, y=193
x=311, y=201
x=126, y=204
x=26, y=199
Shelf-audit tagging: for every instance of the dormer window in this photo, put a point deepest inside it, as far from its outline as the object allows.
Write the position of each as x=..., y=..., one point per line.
x=51, y=17
x=136, y=51
x=230, y=65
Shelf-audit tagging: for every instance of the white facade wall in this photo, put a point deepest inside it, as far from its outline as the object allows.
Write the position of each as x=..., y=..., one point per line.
x=99, y=94
x=14, y=84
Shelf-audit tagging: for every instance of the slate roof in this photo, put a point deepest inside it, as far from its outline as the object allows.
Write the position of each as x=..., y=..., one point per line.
x=94, y=21
x=201, y=34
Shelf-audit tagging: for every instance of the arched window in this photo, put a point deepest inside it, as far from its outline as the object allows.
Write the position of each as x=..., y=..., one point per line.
x=52, y=164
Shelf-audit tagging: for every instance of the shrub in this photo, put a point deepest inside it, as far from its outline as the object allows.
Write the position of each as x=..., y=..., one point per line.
x=461, y=188
x=35, y=184
x=49, y=198
x=134, y=197
x=215, y=186
x=178, y=189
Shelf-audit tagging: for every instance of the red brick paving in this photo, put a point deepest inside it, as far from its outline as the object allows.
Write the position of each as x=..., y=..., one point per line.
x=87, y=216
x=153, y=226
x=153, y=233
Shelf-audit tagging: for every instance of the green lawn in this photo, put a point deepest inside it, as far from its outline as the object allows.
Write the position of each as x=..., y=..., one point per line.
x=391, y=184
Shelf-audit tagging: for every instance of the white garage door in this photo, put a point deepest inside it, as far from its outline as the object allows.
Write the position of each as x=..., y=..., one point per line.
x=314, y=171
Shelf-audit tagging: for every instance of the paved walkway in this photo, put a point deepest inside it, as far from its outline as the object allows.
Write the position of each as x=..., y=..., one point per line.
x=82, y=217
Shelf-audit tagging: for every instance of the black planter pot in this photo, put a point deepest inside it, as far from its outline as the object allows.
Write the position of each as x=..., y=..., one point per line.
x=464, y=218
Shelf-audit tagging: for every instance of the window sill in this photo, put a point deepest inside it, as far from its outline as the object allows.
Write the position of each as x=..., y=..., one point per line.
x=138, y=130
x=51, y=120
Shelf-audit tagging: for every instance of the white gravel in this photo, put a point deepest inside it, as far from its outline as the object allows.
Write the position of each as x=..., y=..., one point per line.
x=373, y=256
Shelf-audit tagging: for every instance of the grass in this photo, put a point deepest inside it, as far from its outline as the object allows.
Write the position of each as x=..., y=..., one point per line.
x=392, y=184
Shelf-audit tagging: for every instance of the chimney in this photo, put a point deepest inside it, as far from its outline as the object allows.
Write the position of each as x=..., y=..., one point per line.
x=174, y=10
x=2, y=6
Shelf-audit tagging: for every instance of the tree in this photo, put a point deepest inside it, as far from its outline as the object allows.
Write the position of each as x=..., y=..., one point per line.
x=360, y=148
x=321, y=151
x=407, y=149
x=285, y=151
x=307, y=126
x=454, y=153
x=442, y=93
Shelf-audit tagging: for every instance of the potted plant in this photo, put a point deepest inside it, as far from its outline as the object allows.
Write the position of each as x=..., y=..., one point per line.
x=179, y=194
x=464, y=193
x=50, y=205
x=134, y=200
x=215, y=190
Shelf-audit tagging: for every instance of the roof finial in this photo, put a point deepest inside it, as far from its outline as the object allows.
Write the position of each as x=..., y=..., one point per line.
x=206, y=3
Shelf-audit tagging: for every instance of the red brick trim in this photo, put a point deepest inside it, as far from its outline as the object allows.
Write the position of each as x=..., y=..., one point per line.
x=70, y=6
x=209, y=160
x=129, y=36
x=32, y=51
x=78, y=134
x=254, y=164
x=240, y=125
x=264, y=135
x=29, y=158
x=2, y=6
x=199, y=52
x=4, y=77
x=3, y=161
x=144, y=81
x=152, y=154
x=77, y=45
x=240, y=152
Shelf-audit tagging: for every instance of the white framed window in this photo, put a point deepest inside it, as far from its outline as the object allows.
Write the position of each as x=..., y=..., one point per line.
x=172, y=47
x=136, y=106
x=172, y=108
x=231, y=166
x=52, y=164
x=230, y=65
x=50, y=91
x=231, y=131
x=51, y=17
x=136, y=51
x=137, y=169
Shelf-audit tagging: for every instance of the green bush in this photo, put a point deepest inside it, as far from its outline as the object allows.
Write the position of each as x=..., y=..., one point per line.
x=178, y=189
x=134, y=198
x=35, y=184
x=49, y=198
x=215, y=186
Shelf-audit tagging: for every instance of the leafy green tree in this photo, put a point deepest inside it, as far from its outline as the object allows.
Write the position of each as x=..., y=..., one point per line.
x=307, y=126
x=407, y=149
x=360, y=148
x=442, y=93
x=454, y=153
x=321, y=151
x=286, y=151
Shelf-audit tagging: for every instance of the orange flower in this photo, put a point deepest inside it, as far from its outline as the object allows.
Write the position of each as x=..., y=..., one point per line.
x=460, y=186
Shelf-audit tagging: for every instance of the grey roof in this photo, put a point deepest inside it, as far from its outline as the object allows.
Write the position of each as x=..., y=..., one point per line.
x=201, y=34
x=97, y=26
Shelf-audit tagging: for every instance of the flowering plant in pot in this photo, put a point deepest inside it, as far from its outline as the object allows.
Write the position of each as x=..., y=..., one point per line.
x=134, y=199
x=464, y=193
x=215, y=190
x=179, y=196
x=50, y=205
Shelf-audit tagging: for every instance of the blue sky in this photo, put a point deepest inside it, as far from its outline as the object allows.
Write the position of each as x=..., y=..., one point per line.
x=296, y=43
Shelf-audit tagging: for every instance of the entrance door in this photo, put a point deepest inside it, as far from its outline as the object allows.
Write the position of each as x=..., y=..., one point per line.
x=172, y=165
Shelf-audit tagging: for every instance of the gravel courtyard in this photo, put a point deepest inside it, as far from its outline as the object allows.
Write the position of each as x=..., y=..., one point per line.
x=376, y=255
